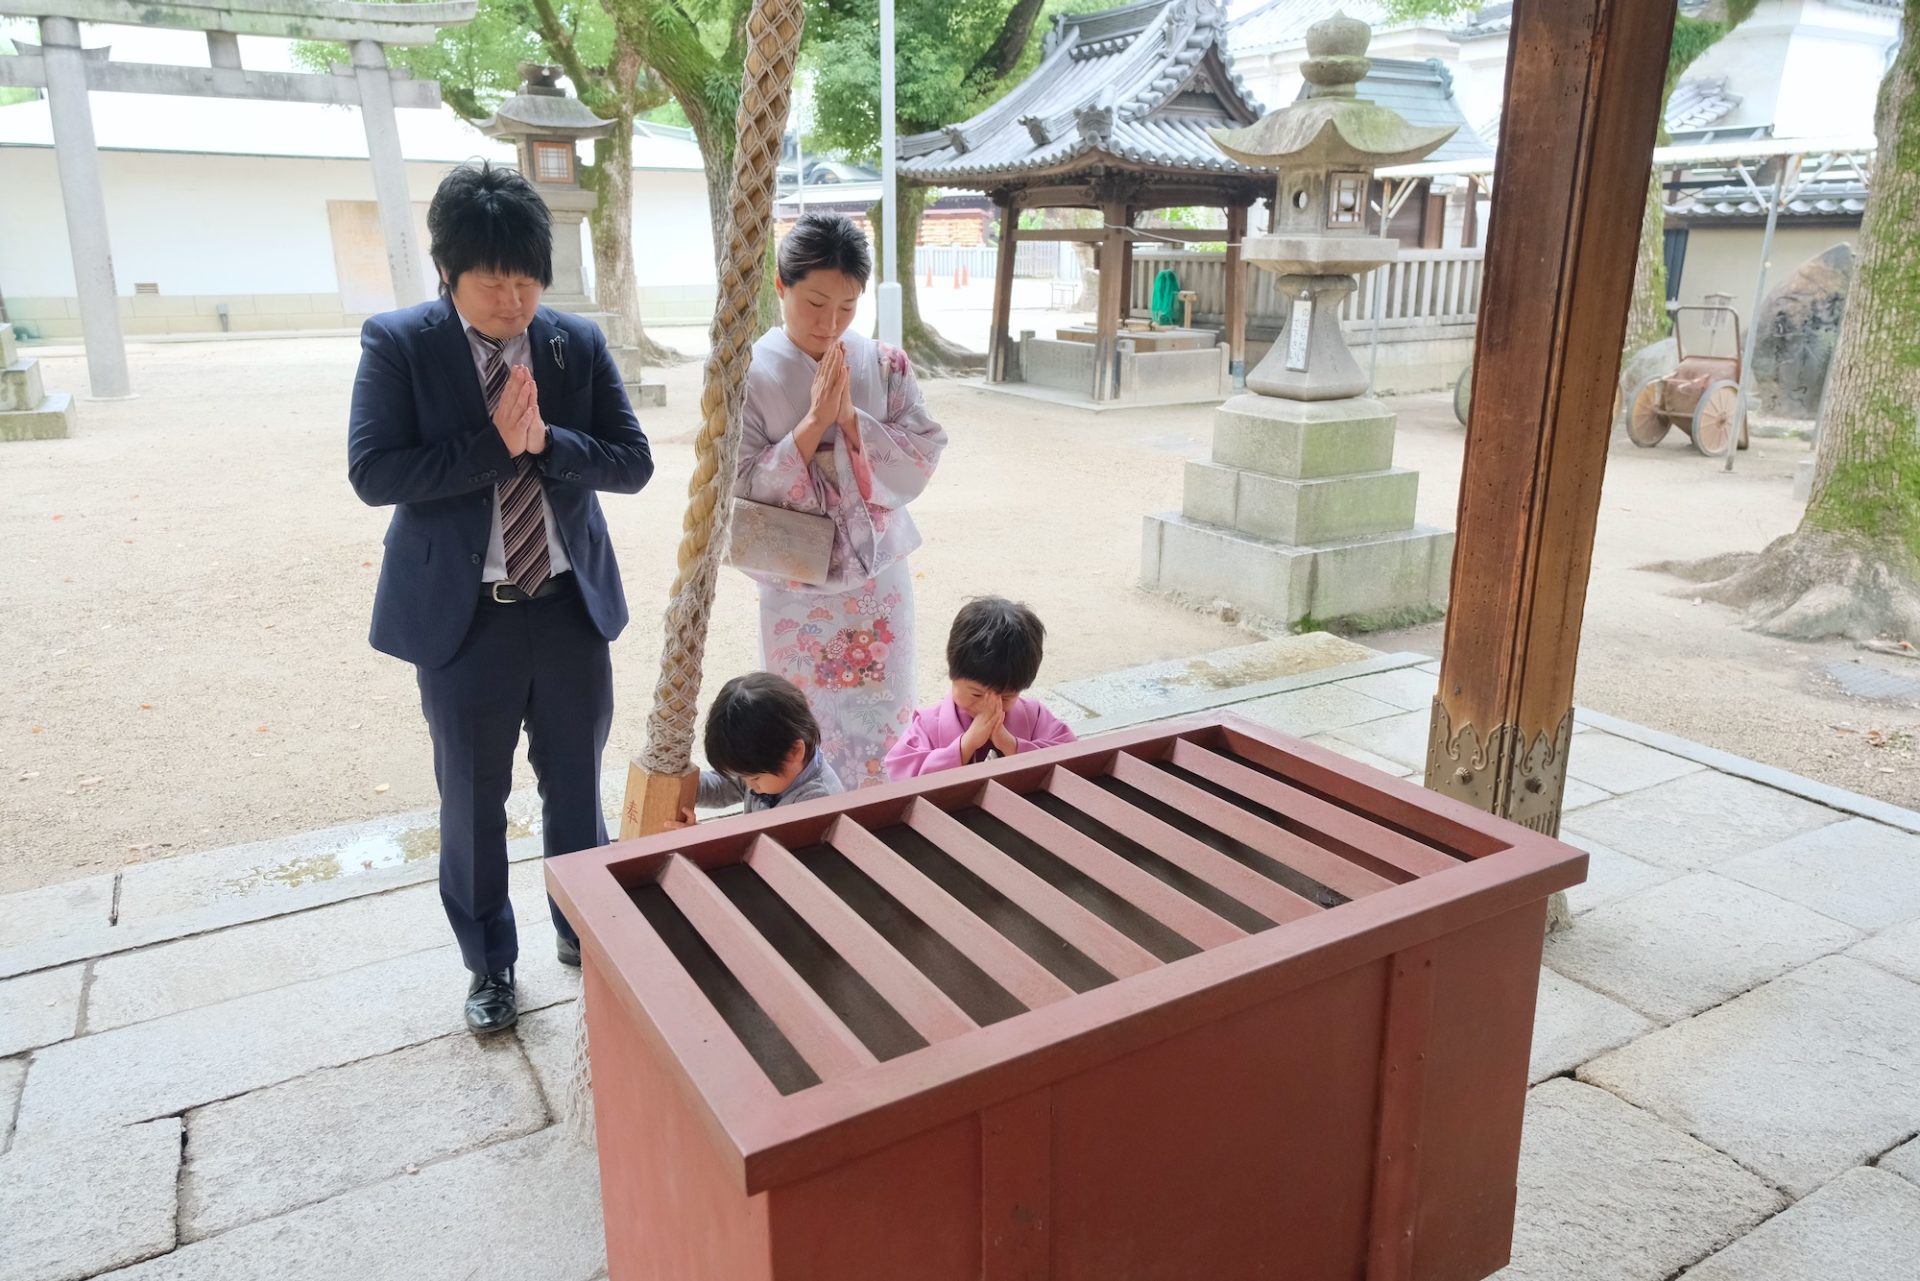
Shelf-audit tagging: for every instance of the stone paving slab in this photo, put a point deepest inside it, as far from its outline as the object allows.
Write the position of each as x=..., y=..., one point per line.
x=1572, y=1024
x=1578, y=795
x=1866, y=874
x=13, y=1074
x=284, y=1147
x=1800, y=1080
x=1896, y=950
x=547, y=1036
x=1691, y=943
x=1130, y=690
x=1314, y=710
x=1411, y=689
x=1904, y=1161
x=1608, y=1193
x=1611, y=875
x=38, y=923
x=1372, y=760
x=218, y=1051
x=1697, y=820
x=524, y=1210
x=210, y=968
x=80, y=1204
x=1401, y=738
x=1620, y=765
x=39, y=1009
x=1863, y=1226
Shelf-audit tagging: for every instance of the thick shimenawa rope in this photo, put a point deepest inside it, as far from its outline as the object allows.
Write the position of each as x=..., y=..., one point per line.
x=773, y=42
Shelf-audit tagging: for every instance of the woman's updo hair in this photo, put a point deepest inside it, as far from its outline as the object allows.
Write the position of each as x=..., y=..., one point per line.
x=824, y=242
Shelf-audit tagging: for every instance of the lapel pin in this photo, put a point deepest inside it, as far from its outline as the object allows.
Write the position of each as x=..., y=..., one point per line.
x=559, y=345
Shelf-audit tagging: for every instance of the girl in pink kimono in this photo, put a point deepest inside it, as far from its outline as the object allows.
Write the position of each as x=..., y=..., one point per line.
x=834, y=425
x=993, y=657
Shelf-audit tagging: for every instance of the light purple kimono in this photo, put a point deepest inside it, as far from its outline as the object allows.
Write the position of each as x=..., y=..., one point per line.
x=847, y=642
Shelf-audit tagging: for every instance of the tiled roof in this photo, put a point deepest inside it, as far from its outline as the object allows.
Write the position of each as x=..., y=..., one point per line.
x=1422, y=92
x=1284, y=22
x=1843, y=199
x=1698, y=102
x=1143, y=83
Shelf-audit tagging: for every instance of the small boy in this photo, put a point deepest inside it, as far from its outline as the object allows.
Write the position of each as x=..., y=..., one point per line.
x=993, y=654
x=764, y=746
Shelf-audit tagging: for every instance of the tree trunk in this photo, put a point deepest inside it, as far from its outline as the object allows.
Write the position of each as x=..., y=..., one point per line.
x=1853, y=567
x=1647, y=320
x=929, y=350
x=612, y=223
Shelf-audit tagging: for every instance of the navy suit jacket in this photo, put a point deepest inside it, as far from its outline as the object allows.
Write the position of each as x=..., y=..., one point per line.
x=421, y=441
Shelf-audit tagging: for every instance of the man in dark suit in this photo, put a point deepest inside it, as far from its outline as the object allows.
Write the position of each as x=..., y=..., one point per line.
x=488, y=422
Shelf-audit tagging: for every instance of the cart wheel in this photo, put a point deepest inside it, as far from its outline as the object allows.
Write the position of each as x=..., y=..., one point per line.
x=1463, y=394
x=1720, y=419
x=1645, y=425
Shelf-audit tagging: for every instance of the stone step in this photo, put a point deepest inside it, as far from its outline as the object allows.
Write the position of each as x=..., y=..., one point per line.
x=52, y=419
x=9, y=346
x=1375, y=579
x=20, y=386
x=1321, y=510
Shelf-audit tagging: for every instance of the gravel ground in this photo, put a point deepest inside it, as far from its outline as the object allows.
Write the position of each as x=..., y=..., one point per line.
x=189, y=580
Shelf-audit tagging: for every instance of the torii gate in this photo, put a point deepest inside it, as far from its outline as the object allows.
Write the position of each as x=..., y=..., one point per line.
x=67, y=72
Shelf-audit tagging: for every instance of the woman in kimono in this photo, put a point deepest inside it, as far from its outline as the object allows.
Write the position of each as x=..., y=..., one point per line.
x=834, y=426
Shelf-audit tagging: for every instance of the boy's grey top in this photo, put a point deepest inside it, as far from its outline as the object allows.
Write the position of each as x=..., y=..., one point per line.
x=813, y=782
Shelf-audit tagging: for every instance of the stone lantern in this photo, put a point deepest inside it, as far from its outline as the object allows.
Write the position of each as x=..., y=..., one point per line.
x=546, y=126
x=1300, y=514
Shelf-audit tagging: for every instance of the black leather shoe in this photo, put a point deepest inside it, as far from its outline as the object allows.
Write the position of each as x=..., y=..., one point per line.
x=491, y=1003
x=567, y=949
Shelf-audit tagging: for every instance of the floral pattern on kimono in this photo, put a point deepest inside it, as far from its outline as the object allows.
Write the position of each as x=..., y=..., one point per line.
x=848, y=642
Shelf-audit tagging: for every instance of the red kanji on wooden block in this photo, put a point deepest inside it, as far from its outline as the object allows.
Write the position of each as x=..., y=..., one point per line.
x=1191, y=1001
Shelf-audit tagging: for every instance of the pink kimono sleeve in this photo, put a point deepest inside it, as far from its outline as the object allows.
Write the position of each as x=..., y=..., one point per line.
x=919, y=753
x=1048, y=731
x=772, y=471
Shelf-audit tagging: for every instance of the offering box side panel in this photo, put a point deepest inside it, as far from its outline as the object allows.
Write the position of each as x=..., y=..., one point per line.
x=660, y=1163
x=1474, y=1096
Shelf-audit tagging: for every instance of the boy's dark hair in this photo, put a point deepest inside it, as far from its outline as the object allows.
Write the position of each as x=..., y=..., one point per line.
x=489, y=219
x=754, y=722
x=824, y=242
x=996, y=642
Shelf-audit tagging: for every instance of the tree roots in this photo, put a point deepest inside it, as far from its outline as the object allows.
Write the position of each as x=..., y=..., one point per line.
x=1812, y=585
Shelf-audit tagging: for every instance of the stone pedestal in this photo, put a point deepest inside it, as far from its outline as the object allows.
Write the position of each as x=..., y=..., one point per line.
x=642, y=391
x=1301, y=515
x=27, y=412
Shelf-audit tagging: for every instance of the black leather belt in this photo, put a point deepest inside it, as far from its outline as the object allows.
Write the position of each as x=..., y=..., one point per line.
x=508, y=594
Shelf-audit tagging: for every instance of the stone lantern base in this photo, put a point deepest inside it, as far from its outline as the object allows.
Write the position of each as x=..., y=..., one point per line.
x=27, y=411
x=1301, y=515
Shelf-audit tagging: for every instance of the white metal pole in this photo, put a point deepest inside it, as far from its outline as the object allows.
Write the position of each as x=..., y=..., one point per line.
x=889, y=299
x=1789, y=172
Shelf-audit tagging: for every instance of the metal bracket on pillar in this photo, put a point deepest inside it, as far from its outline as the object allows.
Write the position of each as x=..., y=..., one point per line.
x=1501, y=772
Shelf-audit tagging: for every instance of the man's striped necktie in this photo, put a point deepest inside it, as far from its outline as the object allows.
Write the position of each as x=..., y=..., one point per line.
x=523, y=524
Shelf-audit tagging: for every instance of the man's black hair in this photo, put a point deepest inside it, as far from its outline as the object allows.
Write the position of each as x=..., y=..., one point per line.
x=997, y=643
x=824, y=242
x=488, y=219
x=754, y=722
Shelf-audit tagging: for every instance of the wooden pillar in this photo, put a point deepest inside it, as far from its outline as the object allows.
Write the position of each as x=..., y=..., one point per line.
x=1576, y=144
x=999, y=340
x=1470, y=220
x=1236, y=301
x=1126, y=270
x=1106, y=346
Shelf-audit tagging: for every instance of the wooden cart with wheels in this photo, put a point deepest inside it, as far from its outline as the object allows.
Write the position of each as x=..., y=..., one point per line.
x=1703, y=395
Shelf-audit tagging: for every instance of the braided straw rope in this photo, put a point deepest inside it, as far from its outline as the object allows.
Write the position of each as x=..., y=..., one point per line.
x=773, y=36
x=773, y=42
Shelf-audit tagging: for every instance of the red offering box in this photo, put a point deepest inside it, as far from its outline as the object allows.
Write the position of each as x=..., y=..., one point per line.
x=1192, y=1002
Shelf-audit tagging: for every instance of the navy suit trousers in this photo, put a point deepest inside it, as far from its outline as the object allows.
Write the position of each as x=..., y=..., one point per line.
x=540, y=664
